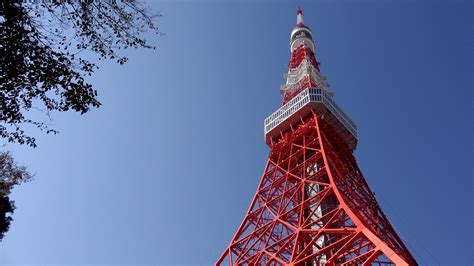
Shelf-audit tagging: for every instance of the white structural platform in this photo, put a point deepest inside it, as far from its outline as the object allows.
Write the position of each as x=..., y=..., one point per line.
x=310, y=100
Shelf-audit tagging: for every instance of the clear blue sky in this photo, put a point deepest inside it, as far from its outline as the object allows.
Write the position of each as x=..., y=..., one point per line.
x=164, y=171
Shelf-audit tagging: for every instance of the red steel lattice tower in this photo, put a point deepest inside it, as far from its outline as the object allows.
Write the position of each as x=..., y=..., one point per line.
x=313, y=205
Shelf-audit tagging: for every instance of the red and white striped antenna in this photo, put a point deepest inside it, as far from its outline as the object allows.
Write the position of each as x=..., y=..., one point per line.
x=299, y=17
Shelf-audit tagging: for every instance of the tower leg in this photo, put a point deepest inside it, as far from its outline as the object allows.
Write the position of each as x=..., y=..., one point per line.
x=313, y=207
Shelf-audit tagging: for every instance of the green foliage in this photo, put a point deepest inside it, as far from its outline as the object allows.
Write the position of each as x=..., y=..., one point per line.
x=42, y=62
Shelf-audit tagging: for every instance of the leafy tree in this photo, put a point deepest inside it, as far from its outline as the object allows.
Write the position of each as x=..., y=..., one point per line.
x=10, y=174
x=43, y=50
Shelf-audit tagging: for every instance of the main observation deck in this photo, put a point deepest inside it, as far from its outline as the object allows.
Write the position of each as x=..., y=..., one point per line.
x=302, y=105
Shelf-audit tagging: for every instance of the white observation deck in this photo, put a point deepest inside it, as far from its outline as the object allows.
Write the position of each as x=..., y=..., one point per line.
x=302, y=105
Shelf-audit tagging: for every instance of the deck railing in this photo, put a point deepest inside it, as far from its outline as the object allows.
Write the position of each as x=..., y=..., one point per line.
x=314, y=95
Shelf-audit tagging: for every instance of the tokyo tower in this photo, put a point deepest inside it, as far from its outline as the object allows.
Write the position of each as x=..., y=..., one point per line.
x=313, y=205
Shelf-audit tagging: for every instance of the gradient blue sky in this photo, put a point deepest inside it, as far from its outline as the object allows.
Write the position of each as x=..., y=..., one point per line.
x=164, y=171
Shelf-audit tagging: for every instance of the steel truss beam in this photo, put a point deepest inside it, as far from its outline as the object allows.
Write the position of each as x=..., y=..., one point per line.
x=314, y=207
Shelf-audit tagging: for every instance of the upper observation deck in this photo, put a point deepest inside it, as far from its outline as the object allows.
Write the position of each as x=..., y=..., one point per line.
x=302, y=105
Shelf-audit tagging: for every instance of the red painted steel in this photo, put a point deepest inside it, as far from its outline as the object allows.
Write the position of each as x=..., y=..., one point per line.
x=299, y=54
x=314, y=206
x=306, y=82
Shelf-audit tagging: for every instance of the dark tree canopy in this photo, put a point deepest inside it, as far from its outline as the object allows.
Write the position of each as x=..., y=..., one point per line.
x=43, y=50
x=10, y=174
x=7, y=207
x=45, y=54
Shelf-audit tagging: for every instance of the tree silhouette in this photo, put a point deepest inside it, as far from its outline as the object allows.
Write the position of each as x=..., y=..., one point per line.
x=46, y=50
x=43, y=51
x=10, y=175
